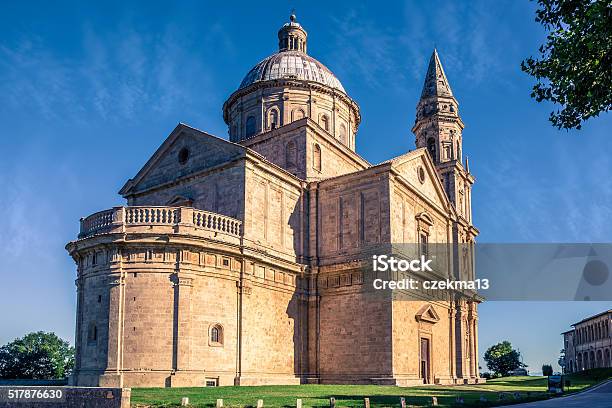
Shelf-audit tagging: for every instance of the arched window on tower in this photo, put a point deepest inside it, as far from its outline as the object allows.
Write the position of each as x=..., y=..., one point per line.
x=343, y=137
x=431, y=148
x=250, y=126
x=290, y=154
x=273, y=115
x=324, y=122
x=316, y=157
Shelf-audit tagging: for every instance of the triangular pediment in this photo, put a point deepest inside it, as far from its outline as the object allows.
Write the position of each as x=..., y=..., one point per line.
x=428, y=314
x=186, y=151
x=417, y=168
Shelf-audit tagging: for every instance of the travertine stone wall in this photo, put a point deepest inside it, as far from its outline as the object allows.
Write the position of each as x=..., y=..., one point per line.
x=335, y=158
x=95, y=304
x=274, y=216
x=271, y=340
x=353, y=215
x=355, y=334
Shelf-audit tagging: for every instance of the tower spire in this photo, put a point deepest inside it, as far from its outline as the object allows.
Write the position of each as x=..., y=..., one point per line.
x=438, y=128
x=436, y=83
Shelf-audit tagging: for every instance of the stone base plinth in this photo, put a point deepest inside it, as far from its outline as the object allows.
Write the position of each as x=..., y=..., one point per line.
x=111, y=380
x=267, y=380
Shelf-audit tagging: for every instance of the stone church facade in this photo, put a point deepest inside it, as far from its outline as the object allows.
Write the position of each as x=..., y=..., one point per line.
x=241, y=261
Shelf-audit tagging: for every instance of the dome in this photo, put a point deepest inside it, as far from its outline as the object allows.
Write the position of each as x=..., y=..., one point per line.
x=291, y=65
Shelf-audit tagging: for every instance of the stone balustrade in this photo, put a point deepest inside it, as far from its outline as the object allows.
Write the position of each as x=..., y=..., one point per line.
x=160, y=219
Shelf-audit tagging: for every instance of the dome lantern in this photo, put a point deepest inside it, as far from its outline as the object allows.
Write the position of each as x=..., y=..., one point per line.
x=291, y=36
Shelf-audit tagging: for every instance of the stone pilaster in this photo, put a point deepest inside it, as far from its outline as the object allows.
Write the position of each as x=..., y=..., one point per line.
x=112, y=376
x=184, y=312
x=451, y=344
x=460, y=351
x=475, y=354
x=181, y=349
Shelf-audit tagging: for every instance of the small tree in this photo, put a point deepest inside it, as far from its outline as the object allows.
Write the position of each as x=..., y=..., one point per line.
x=37, y=355
x=501, y=358
x=547, y=370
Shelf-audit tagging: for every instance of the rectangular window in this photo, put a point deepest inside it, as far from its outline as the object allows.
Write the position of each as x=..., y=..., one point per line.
x=424, y=244
x=92, y=333
x=212, y=382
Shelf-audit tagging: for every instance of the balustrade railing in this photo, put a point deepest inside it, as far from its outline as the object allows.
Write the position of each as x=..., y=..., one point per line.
x=123, y=218
x=216, y=222
x=97, y=221
x=151, y=215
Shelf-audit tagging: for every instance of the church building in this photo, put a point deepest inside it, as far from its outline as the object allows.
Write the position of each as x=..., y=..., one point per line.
x=240, y=261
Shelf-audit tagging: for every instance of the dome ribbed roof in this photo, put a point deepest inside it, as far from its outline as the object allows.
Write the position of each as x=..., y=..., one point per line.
x=291, y=65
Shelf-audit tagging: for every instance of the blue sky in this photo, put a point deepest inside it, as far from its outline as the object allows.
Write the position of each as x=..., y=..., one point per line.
x=88, y=91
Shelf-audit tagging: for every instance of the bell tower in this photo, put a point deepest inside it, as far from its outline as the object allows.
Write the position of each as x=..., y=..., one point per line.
x=438, y=128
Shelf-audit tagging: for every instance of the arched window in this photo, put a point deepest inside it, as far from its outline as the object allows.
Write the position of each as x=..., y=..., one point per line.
x=431, y=147
x=290, y=154
x=298, y=114
x=324, y=121
x=250, y=126
x=316, y=157
x=273, y=115
x=216, y=335
x=343, y=137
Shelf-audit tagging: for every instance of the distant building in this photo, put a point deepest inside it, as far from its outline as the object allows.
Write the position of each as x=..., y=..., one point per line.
x=589, y=344
x=519, y=372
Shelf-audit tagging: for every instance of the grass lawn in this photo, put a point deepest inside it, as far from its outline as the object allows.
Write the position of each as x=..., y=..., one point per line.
x=352, y=395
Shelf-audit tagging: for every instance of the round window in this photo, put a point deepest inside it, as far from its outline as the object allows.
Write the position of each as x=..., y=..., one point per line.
x=183, y=155
x=421, y=174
